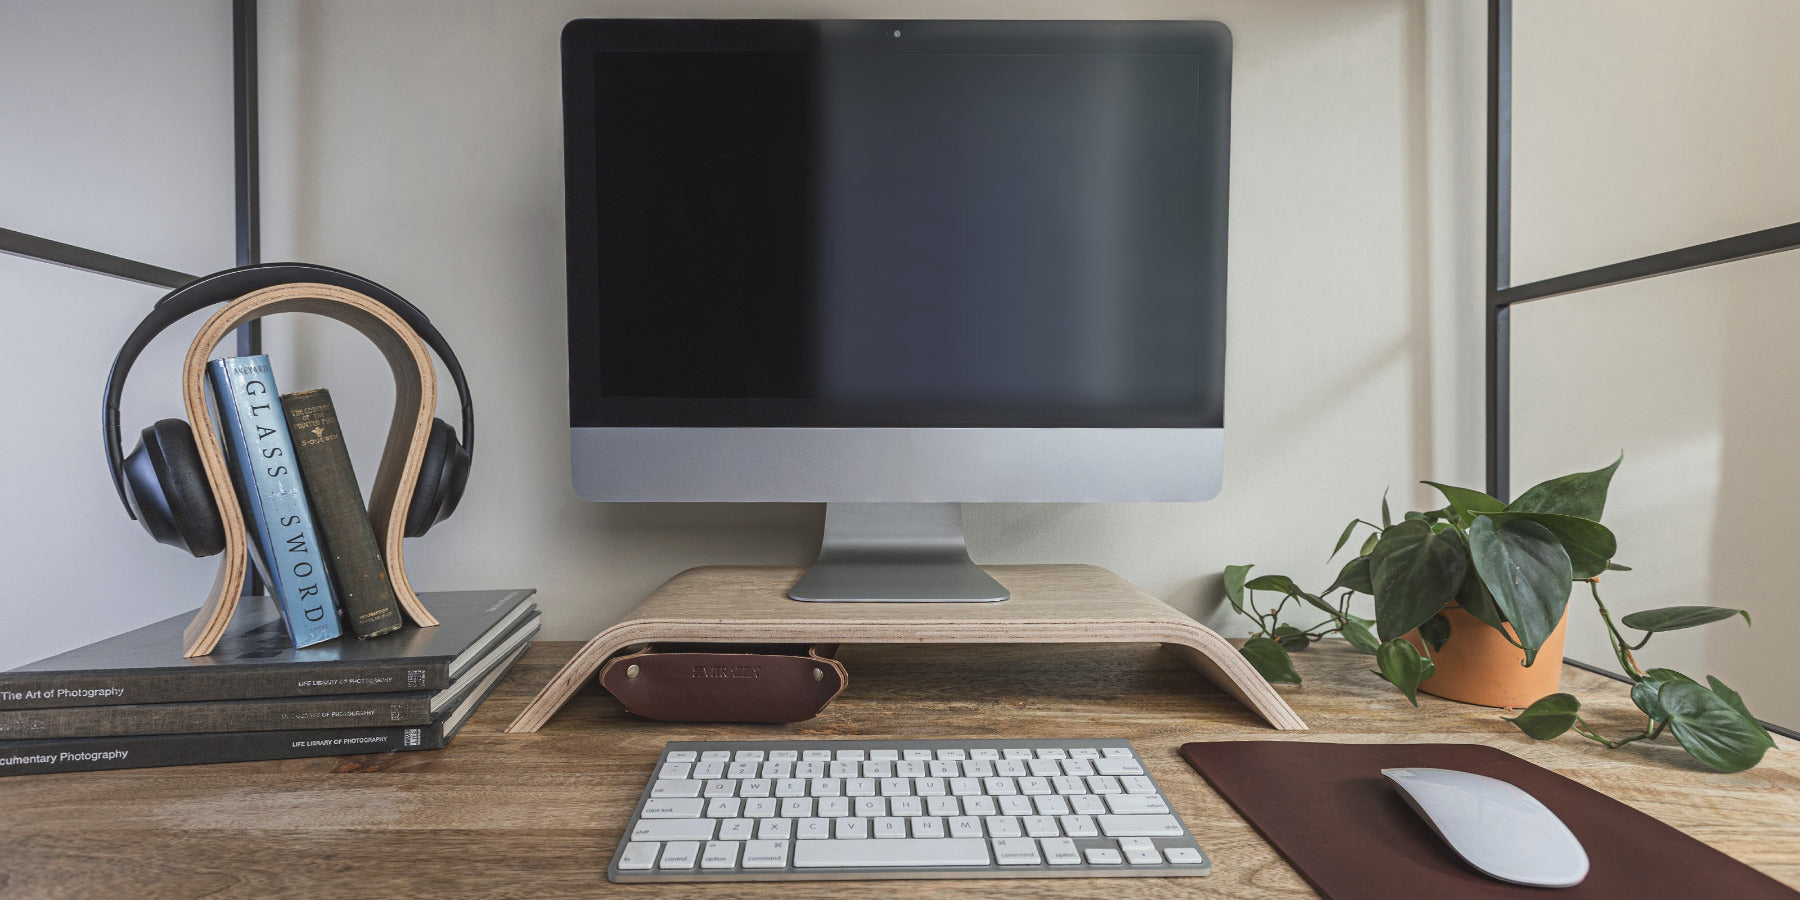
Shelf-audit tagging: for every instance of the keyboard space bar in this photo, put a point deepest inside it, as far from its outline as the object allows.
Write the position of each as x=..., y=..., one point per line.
x=891, y=853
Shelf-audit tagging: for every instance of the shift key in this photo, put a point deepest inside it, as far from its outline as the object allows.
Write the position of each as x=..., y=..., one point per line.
x=1136, y=826
x=674, y=830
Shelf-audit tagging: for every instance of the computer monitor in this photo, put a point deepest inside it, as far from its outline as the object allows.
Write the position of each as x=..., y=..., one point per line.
x=895, y=266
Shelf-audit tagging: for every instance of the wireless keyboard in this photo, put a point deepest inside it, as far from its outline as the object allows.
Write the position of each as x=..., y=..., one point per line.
x=799, y=810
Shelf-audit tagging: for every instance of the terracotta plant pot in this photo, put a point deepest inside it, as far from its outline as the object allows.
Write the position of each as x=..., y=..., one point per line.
x=1478, y=666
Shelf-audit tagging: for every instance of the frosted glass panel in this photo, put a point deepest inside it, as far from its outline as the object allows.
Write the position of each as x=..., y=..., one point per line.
x=1640, y=127
x=1694, y=377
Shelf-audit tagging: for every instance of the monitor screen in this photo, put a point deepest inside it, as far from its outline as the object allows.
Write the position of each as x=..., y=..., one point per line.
x=912, y=224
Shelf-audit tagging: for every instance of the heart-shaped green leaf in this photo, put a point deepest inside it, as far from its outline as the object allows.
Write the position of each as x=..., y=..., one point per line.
x=1711, y=729
x=1357, y=632
x=1234, y=586
x=1527, y=571
x=1475, y=600
x=1414, y=573
x=1290, y=638
x=1280, y=584
x=1270, y=660
x=1644, y=692
x=1590, y=545
x=1467, y=502
x=1582, y=494
x=1737, y=702
x=1403, y=667
x=1675, y=618
x=1548, y=717
x=1355, y=577
x=1435, y=632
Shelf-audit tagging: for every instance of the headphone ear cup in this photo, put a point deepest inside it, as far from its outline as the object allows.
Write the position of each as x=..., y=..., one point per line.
x=435, y=476
x=166, y=484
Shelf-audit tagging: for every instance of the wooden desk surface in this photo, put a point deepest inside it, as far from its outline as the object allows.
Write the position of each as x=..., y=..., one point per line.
x=539, y=815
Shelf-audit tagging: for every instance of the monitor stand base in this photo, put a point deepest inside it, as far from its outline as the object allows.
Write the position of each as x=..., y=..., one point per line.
x=895, y=553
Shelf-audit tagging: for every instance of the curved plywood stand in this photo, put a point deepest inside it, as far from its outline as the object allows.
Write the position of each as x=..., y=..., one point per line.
x=415, y=402
x=1049, y=605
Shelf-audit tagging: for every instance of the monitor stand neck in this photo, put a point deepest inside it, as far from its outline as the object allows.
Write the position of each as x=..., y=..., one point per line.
x=895, y=553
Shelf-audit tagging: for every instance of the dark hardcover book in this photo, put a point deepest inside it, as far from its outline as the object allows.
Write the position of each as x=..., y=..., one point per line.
x=281, y=714
x=254, y=658
x=352, y=555
x=147, y=751
x=283, y=542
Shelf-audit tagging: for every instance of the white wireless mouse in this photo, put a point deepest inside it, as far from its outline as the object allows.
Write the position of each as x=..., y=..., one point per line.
x=1503, y=832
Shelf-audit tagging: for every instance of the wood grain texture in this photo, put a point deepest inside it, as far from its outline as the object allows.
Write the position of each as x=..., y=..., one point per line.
x=415, y=403
x=1050, y=604
x=539, y=815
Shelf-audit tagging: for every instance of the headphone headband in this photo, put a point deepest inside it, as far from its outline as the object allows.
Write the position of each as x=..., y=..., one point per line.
x=230, y=284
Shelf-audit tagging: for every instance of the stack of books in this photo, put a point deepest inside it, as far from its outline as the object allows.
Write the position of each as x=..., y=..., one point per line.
x=133, y=701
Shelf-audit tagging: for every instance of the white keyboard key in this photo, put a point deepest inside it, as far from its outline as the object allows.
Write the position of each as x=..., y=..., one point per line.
x=1016, y=852
x=884, y=755
x=943, y=806
x=963, y=787
x=927, y=827
x=765, y=854
x=679, y=855
x=825, y=787
x=869, y=806
x=792, y=787
x=1080, y=768
x=878, y=770
x=1068, y=784
x=1115, y=766
x=916, y=754
x=760, y=807
x=1088, y=804
x=748, y=756
x=1016, y=753
x=1051, y=805
x=908, y=807
x=1135, y=826
x=1101, y=856
x=944, y=768
x=810, y=769
x=797, y=807
x=1136, y=804
x=859, y=787
x=1003, y=826
x=987, y=753
x=737, y=829
x=844, y=769
x=910, y=768
x=677, y=808
x=1140, y=851
x=834, y=807
x=1045, y=768
x=1084, y=753
x=853, y=828
x=813, y=829
x=723, y=808
x=673, y=830
x=1116, y=752
x=1000, y=785
x=675, y=770
x=639, y=855
x=1016, y=806
x=816, y=756
x=1183, y=856
x=1137, y=784
x=682, y=756
x=891, y=854
x=953, y=753
x=709, y=769
x=754, y=787
x=852, y=755
x=896, y=787
x=721, y=787
x=788, y=755
x=1060, y=852
x=1040, y=827
x=888, y=827
x=979, y=806
x=928, y=787
x=965, y=826
x=1104, y=784
x=1033, y=786
x=675, y=787
x=778, y=768
x=1079, y=826
x=775, y=829
x=720, y=855
x=1052, y=753
x=743, y=769
x=1011, y=768
x=977, y=768
x=716, y=756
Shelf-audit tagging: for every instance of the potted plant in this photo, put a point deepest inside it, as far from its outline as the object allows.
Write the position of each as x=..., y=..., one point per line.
x=1471, y=600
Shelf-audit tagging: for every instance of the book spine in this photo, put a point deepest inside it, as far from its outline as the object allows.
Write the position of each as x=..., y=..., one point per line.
x=25, y=690
x=283, y=543
x=355, y=711
x=355, y=567
x=149, y=751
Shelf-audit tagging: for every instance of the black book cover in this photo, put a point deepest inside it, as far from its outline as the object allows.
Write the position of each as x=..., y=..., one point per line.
x=352, y=555
x=255, y=659
x=148, y=751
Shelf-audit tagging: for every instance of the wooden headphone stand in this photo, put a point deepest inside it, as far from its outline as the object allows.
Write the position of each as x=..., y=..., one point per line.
x=415, y=402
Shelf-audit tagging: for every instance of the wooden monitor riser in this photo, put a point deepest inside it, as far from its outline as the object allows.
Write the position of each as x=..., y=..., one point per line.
x=1051, y=604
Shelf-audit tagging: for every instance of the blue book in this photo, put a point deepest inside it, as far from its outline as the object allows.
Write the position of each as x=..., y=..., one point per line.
x=284, y=545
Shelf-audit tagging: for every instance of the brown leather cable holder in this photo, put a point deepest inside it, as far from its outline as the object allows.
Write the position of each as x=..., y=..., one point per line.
x=766, y=684
x=415, y=402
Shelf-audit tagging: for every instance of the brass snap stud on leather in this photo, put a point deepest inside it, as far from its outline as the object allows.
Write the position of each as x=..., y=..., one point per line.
x=631, y=671
x=818, y=674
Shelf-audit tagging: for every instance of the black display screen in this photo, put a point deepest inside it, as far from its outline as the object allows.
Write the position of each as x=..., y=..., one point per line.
x=897, y=224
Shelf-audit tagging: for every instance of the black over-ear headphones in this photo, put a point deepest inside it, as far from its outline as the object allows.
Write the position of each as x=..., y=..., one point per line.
x=162, y=483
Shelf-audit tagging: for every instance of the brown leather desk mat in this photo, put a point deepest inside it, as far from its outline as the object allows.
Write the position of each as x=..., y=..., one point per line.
x=1328, y=809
